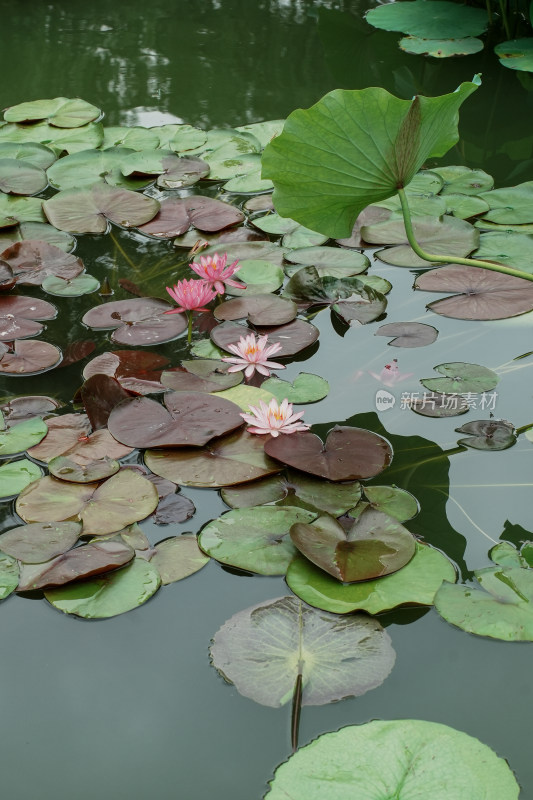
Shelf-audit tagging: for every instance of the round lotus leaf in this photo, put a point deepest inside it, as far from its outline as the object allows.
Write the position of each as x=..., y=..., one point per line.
x=108, y=595
x=516, y=54
x=29, y=153
x=463, y=180
x=305, y=388
x=74, y=287
x=29, y=357
x=500, y=609
x=22, y=436
x=447, y=236
x=461, y=377
x=408, y=334
x=57, y=139
x=59, y=111
x=66, y=469
x=254, y=539
x=21, y=177
x=20, y=209
x=416, y=583
x=40, y=541
x=263, y=649
x=265, y=131
x=512, y=205
x=259, y=276
x=9, y=575
x=37, y=231
x=441, y=48
x=431, y=20
x=177, y=558
x=465, y=206
x=237, y=458
x=488, y=434
x=333, y=257
x=16, y=475
x=393, y=501
x=135, y=138
x=403, y=758
x=510, y=249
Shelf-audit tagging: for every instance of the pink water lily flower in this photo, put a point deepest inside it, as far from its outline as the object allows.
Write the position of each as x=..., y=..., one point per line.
x=214, y=271
x=274, y=418
x=253, y=355
x=390, y=374
x=190, y=295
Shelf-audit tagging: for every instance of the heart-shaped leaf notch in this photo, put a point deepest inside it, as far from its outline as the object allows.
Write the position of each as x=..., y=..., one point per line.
x=376, y=545
x=348, y=453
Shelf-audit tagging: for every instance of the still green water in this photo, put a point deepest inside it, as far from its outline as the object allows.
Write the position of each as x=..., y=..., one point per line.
x=130, y=707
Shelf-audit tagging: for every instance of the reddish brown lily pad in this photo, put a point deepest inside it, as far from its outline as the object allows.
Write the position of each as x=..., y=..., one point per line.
x=348, y=453
x=139, y=321
x=27, y=407
x=28, y=357
x=70, y=435
x=18, y=317
x=40, y=541
x=173, y=508
x=137, y=371
x=32, y=262
x=438, y=404
x=408, y=334
x=210, y=215
x=99, y=395
x=259, y=309
x=177, y=558
x=77, y=351
x=201, y=375
x=293, y=337
x=172, y=219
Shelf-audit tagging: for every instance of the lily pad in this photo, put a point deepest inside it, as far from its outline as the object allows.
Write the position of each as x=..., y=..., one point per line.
x=348, y=453
x=510, y=249
x=63, y=112
x=29, y=357
x=9, y=575
x=409, y=334
x=465, y=206
x=70, y=287
x=516, y=54
x=21, y=178
x=488, y=434
x=375, y=545
x=177, y=558
x=439, y=404
x=265, y=131
x=259, y=276
x=254, y=539
x=250, y=183
x=210, y=215
x=500, y=609
x=258, y=309
x=22, y=435
x=19, y=315
x=135, y=138
x=173, y=508
x=294, y=336
x=185, y=137
x=440, y=48
x=230, y=460
x=240, y=251
x=351, y=262
x=462, y=377
x=137, y=371
x=431, y=20
x=66, y=469
x=263, y=649
x=417, y=755
x=172, y=171
x=391, y=500
x=463, y=180
x=88, y=167
x=512, y=205
x=483, y=294
x=40, y=541
x=201, y=375
x=16, y=475
x=305, y=388
x=71, y=140
x=109, y=595
x=20, y=209
x=36, y=231
x=140, y=321
x=245, y=396
x=223, y=167
x=33, y=261
x=28, y=153
x=416, y=584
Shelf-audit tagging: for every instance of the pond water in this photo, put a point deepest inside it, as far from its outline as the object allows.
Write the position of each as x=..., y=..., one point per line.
x=130, y=707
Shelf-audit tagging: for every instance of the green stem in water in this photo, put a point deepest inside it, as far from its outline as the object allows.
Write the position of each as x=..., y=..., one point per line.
x=189, y=326
x=122, y=251
x=489, y=11
x=468, y=262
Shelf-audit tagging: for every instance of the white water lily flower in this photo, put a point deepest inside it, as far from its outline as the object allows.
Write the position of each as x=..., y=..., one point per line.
x=274, y=418
x=253, y=355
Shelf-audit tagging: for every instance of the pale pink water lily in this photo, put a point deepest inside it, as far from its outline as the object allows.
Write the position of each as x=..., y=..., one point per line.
x=390, y=374
x=274, y=418
x=253, y=355
x=214, y=271
x=190, y=295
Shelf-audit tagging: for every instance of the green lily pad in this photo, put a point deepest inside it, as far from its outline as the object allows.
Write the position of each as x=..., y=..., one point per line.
x=246, y=396
x=15, y=476
x=135, y=138
x=177, y=558
x=206, y=349
x=461, y=377
x=71, y=140
x=254, y=539
x=242, y=251
x=263, y=649
x=408, y=334
x=37, y=231
x=326, y=168
x=259, y=276
x=265, y=131
x=173, y=172
x=28, y=153
x=59, y=111
x=382, y=759
x=83, y=169
x=441, y=48
x=391, y=500
x=110, y=594
x=201, y=375
x=75, y=287
x=20, y=209
x=438, y=404
x=39, y=542
x=329, y=258
x=505, y=554
x=463, y=180
x=516, y=54
x=9, y=575
x=67, y=469
x=510, y=249
x=465, y=206
x=512, y=205
x=227, y=143
x=258, y=309
x=416, y=583
x=488, y=434
x=22, y=436
x=500, y=609
x=20, y=177
x=251, y=183
x=305, y=388
x=431, y=20
x=419, y=205
x=224, y=167
x=185, y=137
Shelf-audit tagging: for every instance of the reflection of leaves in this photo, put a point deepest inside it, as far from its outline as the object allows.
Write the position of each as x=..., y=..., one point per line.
x=264, y=648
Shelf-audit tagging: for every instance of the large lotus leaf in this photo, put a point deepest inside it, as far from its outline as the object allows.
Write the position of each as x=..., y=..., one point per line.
x=122, y=499
x=177, y=558
x=374, y=546
x=16, y=475
x=57, y=139
x=63, y=112
x=258, y=309
x=173, y=172
x=465, y=206
x=510, y=249
x=448, y=236
x=483, y=294
x=511, y=205
x=305, y=388
x=33, y=261
x=463, y=180
x=401, y=759
x=461, y=377
x=22, y=436
x=329, y=258
x=109, y=595
x=245, y=396
x=410, y=334
x=40, y=541
x=20, y=209
x=440, y=48
x=135, y=138
x=201, y=375
x=416, y=583
x=66, y=469
x=18, y=315
x=192, y=418
x=87, y=167
x=29, y=153
x=264, y=131
x=28, y=357
x=347, y=454
x=223, y=167
x=139, y=321
x=36, y=231
x=501, y=611
x=136, y=370
x=77, y=564
x=73, y=287
x=488, y=434
x=18, y=177
x=395, y=502
x=240, y=251
x=237, y=458
x=293, y=337
x=254, y=539
x=328, y=165
x=9, y=575
x=263, y=649
x=516, y=54
x=90, y=210
x=430, y=20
